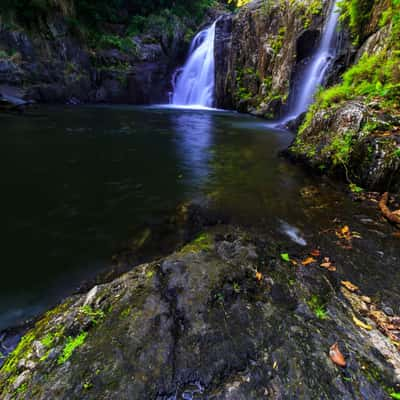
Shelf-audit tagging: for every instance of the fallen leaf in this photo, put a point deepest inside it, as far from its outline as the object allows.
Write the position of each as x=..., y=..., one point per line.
x=275, y=365
x=361, y=324
x=308, y=260
x=259, y=276
x=350, y=286
x=328, y=266
x=344, y=233
x=366, y=299
x=315, y=253
x=285, y=257
x=336, y=355
x=345, y=230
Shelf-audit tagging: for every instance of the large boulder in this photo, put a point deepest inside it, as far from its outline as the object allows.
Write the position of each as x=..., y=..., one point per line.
x=223, y=318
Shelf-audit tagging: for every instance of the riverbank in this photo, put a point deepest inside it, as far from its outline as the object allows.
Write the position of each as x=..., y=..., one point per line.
x=215, y=319
x=73, y=52
x=292, y=216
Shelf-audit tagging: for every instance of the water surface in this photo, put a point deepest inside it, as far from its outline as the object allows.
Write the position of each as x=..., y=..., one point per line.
x=78, y=182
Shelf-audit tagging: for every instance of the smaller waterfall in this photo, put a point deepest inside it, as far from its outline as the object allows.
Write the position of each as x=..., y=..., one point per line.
x=194, y=83
x=314, y=73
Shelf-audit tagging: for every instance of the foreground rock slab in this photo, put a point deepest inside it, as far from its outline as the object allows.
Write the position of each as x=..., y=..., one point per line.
x=223, y=318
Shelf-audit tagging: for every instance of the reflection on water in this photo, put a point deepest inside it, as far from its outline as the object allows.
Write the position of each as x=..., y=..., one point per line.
x=79, y=182
x=193, y=138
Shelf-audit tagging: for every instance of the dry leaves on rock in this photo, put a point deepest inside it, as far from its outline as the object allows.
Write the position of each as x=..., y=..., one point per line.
x=350, y=286
x=345, y=236
x=308, y=260
x=315, y=253
x=337, y=356
x=361, y=324
x=389, y=326
x=327, y=264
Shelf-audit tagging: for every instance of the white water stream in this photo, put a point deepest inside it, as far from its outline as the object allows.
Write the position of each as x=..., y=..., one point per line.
x=194, y=83
x=314, y=73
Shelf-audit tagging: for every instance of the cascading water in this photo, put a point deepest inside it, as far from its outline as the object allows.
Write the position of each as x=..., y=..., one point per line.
x=194, y=82
x=317, y=67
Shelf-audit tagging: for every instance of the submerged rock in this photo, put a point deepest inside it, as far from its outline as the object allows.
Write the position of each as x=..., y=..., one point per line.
x=222, y=318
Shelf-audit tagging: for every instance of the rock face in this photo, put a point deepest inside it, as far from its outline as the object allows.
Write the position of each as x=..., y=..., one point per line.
x=355, y=140
x=223, y=318
x=54, y=66
x=261, y=50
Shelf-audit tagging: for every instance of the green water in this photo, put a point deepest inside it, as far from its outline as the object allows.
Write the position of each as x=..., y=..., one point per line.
x=77, y=183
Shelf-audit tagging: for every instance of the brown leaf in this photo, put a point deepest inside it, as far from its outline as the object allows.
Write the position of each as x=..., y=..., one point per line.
x=328, y=266
x=336, y=355
x=308, y=260
x=350, y=286
x=315, y=253
x=259, y=276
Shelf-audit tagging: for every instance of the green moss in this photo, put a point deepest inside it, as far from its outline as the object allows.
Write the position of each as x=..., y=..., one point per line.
x=243, y=79
x=356, y=13
x=125, y=313
x=277, y=42
x=48, y=340
x=22, y=388
x=21, y=351
x=87, y=385
x=355, y=189
x=374, y=76
x=317, y=306
x=70, y=346
x=96, y=316
x=340, y=148
x=202, y=243
x=150, y=274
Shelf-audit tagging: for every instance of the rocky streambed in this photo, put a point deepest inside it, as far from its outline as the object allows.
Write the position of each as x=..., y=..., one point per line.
x=230, y=315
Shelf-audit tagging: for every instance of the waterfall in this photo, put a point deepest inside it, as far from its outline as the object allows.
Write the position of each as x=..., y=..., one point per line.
x=194, y=83
x=314, y=73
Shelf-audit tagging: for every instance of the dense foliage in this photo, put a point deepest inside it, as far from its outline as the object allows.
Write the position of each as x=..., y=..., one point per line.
x=93, y=14
x=375, y=76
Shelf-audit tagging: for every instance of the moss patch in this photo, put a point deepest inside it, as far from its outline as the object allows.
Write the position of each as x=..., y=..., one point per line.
x=70, y=346
x=203, y=242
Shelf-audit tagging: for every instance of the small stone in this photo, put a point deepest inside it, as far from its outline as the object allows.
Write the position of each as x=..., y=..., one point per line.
x=26, y=364
x=91, y=296
x=21, y=379
x=39, y=349
x=388, y=311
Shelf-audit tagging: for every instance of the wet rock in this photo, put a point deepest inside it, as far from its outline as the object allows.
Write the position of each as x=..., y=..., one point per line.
x=198, y=324
x=388, y=311
x=54, y=65
x=370, y=161
x=21, y=379
x=260, y=52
